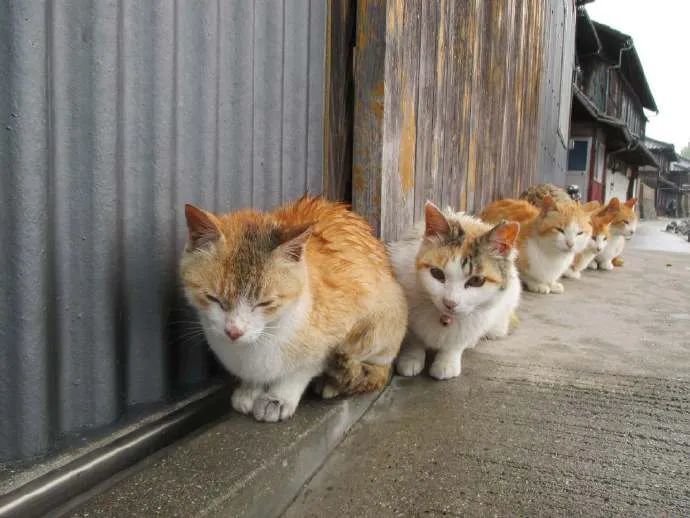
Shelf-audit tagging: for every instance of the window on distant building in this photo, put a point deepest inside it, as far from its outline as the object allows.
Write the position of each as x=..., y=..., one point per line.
x=577, y=156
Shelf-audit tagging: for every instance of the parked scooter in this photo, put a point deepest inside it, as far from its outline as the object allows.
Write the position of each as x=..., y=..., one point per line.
x=574, y=192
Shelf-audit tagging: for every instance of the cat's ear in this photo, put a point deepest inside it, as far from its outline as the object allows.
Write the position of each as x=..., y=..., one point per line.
x=611, y=207
x=502, y=238
x=547, y=205
x=202, y=226
x=436, y=223
x=292, y=240
x=631, y=202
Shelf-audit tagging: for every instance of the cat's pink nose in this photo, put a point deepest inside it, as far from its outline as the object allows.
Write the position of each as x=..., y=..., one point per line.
x=569, y=244
x=449, y=303
x=233, y=332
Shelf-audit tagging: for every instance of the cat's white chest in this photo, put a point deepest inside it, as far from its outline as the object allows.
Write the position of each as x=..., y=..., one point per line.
x=613, y=248
x=547, y=267
x=260, y=362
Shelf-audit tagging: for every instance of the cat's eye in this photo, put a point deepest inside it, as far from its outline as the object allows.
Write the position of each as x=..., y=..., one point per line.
x=560, y=230
x=438, y=274
x=264, y=304
x=580, y=232
x=475, y=282
x=626, y=222
x=606, y=239
x=213, y=299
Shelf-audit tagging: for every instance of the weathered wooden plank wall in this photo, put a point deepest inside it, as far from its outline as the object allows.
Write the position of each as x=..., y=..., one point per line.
x=449, y=104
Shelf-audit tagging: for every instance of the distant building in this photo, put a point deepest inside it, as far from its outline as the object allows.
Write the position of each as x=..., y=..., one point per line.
x=607, y=131
x=665, y=188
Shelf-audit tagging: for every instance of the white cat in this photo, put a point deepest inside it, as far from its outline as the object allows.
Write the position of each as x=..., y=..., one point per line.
x=461, y=284
x=622, y=228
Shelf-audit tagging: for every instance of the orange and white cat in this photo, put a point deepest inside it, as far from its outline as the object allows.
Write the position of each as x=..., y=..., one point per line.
x=289, y=295
x=623, y=227
x=548, y=241
x=600, y=220
x=461, y=284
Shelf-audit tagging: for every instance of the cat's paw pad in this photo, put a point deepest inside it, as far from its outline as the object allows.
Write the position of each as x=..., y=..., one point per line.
x=243, y=399
x=557, y=287
x=409, y=366
x=270, y=408
x=442, y=370
x=539, y=288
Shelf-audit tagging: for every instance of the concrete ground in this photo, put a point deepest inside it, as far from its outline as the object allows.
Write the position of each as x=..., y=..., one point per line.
x=584, y=410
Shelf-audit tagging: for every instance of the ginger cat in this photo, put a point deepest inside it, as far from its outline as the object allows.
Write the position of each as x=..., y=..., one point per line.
x=461, y=284
x=548, y=241
x=289, y=295
x=623, y=227
x=600, y=220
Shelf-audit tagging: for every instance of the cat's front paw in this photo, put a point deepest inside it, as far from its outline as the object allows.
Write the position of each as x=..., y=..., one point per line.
x=444, y=369
x=606, y=266
x=325, y=389
x=556, y=287
x=572, y=274
x=270, y=408
x=593, y=265
x=243, y=399
x=409, y=366
x=536, y=287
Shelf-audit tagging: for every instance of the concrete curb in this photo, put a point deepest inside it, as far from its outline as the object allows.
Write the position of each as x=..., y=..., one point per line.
x=235, y=467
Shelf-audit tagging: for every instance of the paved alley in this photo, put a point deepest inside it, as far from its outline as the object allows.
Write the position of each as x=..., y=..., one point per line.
x=585, y=410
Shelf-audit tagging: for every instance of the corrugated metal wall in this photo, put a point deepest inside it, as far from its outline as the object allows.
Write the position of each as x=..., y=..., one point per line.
x=456, y=101
x=114, y=114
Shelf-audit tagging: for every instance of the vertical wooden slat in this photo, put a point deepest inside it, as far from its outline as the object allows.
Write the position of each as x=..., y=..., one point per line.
x=426, y=100
x=339, y=104
x=462, y=37
x=369, y=70
x=402, y=74
x=436, y=170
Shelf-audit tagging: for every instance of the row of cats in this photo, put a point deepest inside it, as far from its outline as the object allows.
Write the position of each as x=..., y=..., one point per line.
x=306, y=293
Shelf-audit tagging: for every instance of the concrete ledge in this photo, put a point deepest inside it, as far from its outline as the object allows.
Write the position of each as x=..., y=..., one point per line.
x=236, y=467
x=50, y=484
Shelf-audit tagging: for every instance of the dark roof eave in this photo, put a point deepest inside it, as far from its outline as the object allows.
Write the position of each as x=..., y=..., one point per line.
x=642, y=85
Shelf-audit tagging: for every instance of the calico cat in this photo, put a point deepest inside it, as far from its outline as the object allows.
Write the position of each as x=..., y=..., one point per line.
x=461, y=284
x=623, y=227
x=549, y=239
x=600, y=220
x=536, y=194
x=289, y=295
